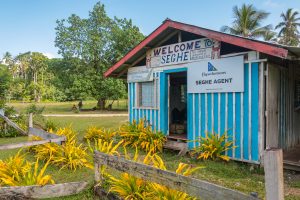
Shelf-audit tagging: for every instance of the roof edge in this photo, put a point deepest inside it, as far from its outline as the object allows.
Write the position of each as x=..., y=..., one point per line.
x=223, y=37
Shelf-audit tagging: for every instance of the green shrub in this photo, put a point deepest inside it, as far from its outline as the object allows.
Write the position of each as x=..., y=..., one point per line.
x=140, y=135
x=213, y=146
x=51, y=125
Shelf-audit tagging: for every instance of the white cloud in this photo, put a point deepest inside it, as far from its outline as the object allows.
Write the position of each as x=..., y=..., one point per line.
x=49, y=55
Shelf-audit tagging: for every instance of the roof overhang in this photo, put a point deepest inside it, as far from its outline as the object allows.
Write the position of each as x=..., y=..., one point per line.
x=170, y=26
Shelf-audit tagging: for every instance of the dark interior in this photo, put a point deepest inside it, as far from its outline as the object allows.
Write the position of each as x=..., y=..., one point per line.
x=178, y=105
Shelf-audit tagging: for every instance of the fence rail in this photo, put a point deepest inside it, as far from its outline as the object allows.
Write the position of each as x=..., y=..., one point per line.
x=192, y=186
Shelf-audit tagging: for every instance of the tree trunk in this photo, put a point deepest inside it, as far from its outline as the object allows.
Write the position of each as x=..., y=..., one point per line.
x=101, y=104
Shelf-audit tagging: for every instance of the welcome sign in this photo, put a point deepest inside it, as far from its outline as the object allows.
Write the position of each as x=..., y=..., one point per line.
x=183, y=52
x=221, y=75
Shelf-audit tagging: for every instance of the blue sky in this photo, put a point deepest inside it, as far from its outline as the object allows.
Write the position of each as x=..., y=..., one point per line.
x=28, y=25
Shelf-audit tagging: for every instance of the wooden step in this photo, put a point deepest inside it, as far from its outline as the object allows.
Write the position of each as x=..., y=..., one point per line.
x=177, y=146
x=177, y=138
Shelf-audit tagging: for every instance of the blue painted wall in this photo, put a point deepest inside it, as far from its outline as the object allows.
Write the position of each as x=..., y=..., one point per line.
x=234, y=113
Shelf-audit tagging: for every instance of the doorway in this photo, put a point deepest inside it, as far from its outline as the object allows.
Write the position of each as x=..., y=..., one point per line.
x=178, y=105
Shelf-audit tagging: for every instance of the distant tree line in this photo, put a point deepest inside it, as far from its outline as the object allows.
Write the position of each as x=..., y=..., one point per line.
x=88, y=46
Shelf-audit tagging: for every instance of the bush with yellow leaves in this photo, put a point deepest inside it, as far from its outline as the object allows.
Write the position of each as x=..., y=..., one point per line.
x=16, y=171
x=71, y=155
x=130, y=187
x=99, y=133
x=213, y=147
x=140, y=135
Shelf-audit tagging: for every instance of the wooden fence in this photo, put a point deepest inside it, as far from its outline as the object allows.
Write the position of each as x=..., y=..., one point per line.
x=11, y=123
x=194, y=187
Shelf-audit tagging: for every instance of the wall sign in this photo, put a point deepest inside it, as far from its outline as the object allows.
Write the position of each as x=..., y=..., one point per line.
x=139, y=74
x=184, y=52
x=220, y=75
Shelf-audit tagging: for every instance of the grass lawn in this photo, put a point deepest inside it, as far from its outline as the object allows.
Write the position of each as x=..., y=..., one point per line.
x=66, y=107
x=233, y=175
x=82, y=123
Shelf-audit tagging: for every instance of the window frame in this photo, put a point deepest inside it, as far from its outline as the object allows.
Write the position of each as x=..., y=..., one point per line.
x=138, y=95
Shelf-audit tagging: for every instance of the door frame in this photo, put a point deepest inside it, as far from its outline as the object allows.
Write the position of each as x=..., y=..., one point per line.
x=165, y=98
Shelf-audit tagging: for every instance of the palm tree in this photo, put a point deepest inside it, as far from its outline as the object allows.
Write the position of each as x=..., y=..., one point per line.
x=289, y=28
x=7, y=58
x=270, y=36
x=247, y=22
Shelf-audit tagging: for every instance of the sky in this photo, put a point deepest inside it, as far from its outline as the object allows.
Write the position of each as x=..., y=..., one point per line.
x=29, y=25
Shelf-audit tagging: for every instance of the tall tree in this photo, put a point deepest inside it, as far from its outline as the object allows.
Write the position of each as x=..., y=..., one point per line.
x=96, y=43
x=37, y=66
x=289, y=33
x=270, y=36
x=247, y=22
x=5, y=80
x=7, y=58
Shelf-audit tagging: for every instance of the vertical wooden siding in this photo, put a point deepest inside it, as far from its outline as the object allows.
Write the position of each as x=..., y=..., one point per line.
x=149, y=115
x=289, y=128
x=235, y=112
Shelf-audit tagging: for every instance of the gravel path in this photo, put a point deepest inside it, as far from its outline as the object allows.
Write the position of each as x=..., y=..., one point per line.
x=87, y=115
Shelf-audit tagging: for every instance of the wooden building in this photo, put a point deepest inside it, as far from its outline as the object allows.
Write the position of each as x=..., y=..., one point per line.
x=186, y=80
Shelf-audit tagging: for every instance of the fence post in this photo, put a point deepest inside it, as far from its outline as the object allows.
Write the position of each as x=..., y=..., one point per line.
x=273, y=165
x=98, y=176
x=30, y=120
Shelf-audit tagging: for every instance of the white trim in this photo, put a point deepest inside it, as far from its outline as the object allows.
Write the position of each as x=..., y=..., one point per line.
x=199, y=131
x=194, y=120
x=234, y=124
x=261, y=132
x=219, y=114
x=242, y=127
x=206, y=114
x=226, y=117
x=250, y=110
x=130, y=112
x=213, y=113
x=158, y=126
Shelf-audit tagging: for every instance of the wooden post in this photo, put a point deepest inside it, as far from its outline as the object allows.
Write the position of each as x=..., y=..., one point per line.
x=97, y=173
x=273, y=165
x=30, y=120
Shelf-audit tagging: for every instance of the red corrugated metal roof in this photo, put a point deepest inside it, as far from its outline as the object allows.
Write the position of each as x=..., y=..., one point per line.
x=263, y=47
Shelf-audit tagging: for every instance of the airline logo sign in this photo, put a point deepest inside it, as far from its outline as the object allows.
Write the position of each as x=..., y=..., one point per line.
x=221, y=75
x=184, y=52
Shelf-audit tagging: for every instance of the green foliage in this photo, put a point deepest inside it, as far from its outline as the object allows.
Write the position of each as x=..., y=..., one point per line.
x=99, y=133
x=288, y=33
x=5, y=81
x=130, y=187
x=213, y=146
x=142, y=136
x=34, y=109
x=71, y=155
x=90, y=46
x=247, y=22
x=19, y=119
x=17, y=171
x=51, y=125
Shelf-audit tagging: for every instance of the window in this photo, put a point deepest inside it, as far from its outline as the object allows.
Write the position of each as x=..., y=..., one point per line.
x=146, y=94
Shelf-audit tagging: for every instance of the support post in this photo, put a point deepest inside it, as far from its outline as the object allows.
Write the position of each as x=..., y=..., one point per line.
x=273, y=165
x=30, y=120
x=98, y=177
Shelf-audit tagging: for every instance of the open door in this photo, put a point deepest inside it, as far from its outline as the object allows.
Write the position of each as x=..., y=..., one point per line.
x=272, y=106
x=178, y=105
